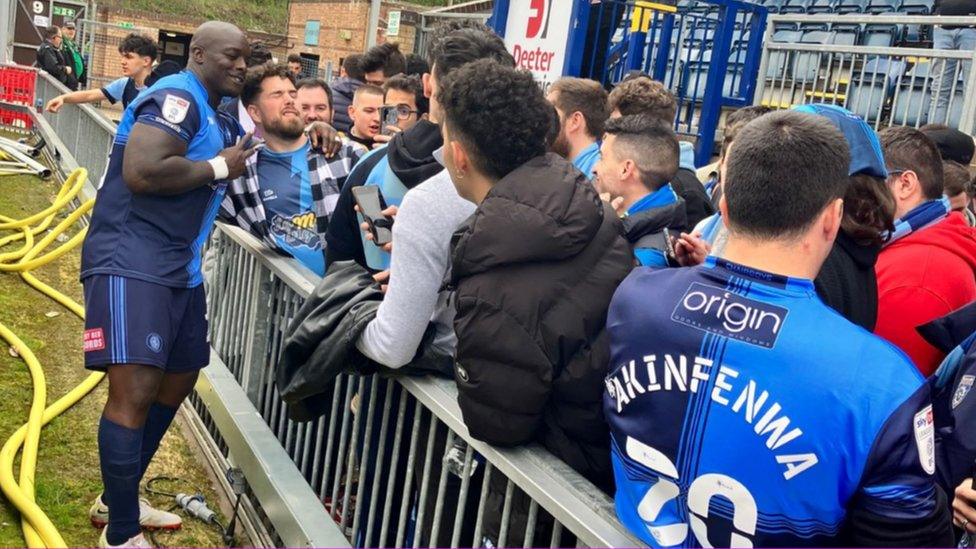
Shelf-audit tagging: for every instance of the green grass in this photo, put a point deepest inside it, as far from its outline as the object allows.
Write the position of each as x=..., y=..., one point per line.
x=68, y=476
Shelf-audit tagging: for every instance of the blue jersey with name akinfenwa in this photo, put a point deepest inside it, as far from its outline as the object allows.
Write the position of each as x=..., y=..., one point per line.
x=745, y=412
x=159, y=238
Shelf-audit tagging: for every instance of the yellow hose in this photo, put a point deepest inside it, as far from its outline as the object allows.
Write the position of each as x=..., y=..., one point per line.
x=39, y=531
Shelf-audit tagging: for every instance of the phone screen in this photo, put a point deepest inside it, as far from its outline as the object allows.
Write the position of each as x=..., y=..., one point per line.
x=371, y=204
x=388, y=117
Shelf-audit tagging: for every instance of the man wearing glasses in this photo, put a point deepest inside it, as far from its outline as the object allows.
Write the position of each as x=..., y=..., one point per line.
x=927, y=268
x=404, y=95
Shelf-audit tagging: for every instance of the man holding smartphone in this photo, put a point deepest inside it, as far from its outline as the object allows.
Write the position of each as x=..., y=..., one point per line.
x=404, y=104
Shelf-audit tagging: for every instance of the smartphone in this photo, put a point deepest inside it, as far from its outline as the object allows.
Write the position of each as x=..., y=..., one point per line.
x=669, y=252
x=371, y=204
x=388, y=117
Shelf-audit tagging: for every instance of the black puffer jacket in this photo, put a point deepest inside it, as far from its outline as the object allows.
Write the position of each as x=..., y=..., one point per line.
x=534, y=270
x=342, y=91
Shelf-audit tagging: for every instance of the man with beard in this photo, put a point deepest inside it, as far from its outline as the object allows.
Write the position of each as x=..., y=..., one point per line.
x=146, y=322
x=287, y=196
x=582, y=107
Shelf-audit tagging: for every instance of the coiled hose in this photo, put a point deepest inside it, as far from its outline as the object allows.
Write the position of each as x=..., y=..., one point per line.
x=38, y=529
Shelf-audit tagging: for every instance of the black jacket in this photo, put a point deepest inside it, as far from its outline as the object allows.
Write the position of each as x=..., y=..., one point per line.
x=342, y=91
x=410, y=158
x=847, y=283
x=50, y=59
x=645, y=230
x=320, y=343
x=534, y=269
x=697, y=204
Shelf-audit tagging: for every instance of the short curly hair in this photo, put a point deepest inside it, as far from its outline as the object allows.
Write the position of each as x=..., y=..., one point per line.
x=498, y=113
x=466, y=45
x=257, y=75
x=642, y=95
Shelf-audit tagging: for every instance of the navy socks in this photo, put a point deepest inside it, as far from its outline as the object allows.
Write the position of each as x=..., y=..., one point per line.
x=120, y=453
x=158, y=420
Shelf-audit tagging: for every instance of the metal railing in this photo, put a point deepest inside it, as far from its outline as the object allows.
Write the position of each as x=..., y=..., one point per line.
x=373, y=471
x=817, y=58
x=391, y=460
x=85, y=132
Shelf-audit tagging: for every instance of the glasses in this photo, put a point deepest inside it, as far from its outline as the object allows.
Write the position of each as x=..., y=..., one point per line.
x=403, y=110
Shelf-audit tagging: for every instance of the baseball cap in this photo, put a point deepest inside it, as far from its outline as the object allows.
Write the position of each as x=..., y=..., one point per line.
x=862, y=140
x=952, y=143
x=69, y=25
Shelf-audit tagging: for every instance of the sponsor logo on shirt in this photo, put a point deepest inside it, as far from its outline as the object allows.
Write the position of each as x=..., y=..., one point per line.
x=175, y=108
x=730, y=315
x=295, y=234
x=94, y=340
x=924, y=424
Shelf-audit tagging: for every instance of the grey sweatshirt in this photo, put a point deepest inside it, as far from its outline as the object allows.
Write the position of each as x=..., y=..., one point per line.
x=419, y=265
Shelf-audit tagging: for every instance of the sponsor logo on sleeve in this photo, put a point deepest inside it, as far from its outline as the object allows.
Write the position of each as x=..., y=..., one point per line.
x=175, y=108
x=94, y=340
x=962, y=390
x=924, y=425
x=730, y=315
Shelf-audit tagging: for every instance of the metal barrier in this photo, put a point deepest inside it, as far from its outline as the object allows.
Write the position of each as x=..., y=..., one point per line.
x=707, y=53
x=887, y=86
x=85, y=132
x=381, y=458
x=390, y=464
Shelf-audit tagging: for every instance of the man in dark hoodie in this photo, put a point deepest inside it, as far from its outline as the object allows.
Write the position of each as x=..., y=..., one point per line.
x=639, y=158
x=351, y=77
x=534, y=270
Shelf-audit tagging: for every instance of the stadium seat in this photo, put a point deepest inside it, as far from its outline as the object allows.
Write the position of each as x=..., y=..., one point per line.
x=695, y=79
x=913, y=99
x=821, y=6
x=846, y=34
x=851, y=6
x=806, y=65
x=870, y=87
x=880, y=35
x=777, y=63
x=916, y=7
x=883, y=6
x=795, y=6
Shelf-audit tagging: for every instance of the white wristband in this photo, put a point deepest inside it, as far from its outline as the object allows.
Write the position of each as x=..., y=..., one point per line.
x=219, y=165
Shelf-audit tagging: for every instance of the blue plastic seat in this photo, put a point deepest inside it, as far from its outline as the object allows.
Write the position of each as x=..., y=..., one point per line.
x=806, y=65
x=777, y=64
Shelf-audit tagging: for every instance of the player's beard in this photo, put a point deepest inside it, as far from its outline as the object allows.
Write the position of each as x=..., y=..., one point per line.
x=286, y=128
x=561, y=145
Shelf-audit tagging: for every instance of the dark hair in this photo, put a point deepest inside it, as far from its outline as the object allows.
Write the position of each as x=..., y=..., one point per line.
x=956, y=178
x=260, y=54
x=256, y=77
x=869, y=210
x=410, y=84
x=644, y=96
x=353, y=65
x=555, y=126
x=385, y=57
x=909, y=149
x=50, y=32
x=651, y=145
x=446, y=28
x=294, y=58
x=738, y=119
x=466, y=45
x=416, y=65
x=139, y=44
x=584, y=96
x=316, y=83
x=785, y=168
x=477, y=100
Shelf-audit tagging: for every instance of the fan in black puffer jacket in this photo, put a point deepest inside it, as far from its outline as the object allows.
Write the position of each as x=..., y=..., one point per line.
x=534, y=270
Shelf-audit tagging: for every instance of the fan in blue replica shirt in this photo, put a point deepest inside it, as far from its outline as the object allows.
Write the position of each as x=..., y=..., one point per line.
x=145, y=323
x=745, y=412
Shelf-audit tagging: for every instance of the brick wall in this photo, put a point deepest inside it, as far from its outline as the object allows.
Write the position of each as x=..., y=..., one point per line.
x=342, y=27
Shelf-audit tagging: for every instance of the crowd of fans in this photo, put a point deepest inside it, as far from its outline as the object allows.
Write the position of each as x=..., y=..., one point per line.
x=738, y=362
x=751, y=361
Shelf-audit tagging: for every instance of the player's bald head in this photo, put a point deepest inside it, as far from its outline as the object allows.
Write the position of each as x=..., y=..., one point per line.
x=217, y=34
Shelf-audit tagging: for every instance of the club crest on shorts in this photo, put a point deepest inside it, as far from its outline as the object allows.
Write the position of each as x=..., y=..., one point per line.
x=175, y=108
x=924, y=425
x=965, y=385
x=154, y=342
